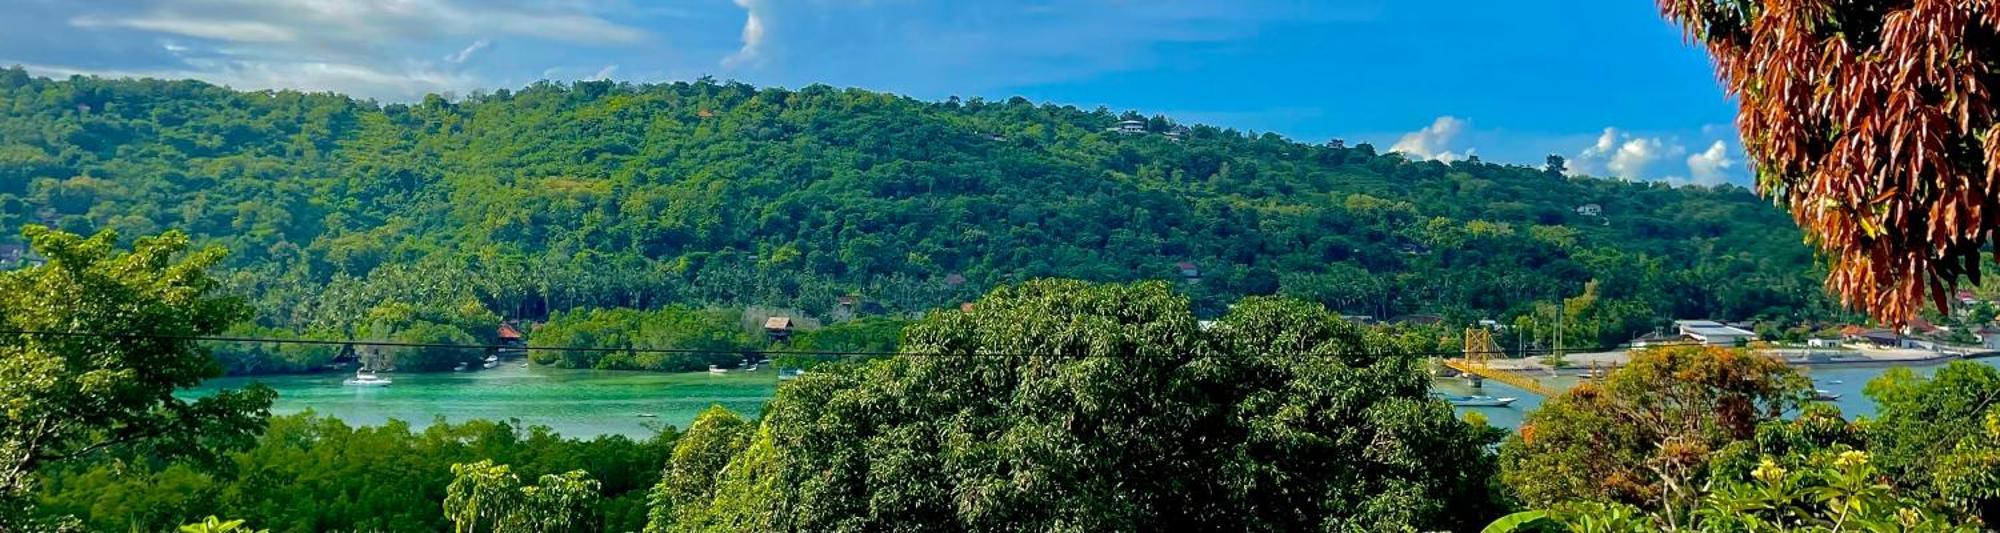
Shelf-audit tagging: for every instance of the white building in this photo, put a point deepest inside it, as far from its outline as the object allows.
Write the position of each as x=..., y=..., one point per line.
x=1714, y=333
x=1130, y=127
x=1590, y=210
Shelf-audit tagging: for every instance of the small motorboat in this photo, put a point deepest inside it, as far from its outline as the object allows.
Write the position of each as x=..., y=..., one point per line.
x=460, y=368
x=787, y=374
x=1823, y=395
x=366, y=378
x=1474, y=401
x=648, y=415
x=712, y=369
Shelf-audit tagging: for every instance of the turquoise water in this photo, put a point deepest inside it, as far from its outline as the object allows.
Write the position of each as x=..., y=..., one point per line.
x=577, y=403
x=1846, y=381
x=584, y=403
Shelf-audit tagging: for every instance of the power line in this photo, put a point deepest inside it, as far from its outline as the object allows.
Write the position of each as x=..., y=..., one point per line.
x=683, y=351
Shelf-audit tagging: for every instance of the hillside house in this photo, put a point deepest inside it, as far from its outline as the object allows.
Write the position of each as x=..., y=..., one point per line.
x=1712, y=333
x=1188, y=270
x=1590, y=210
x=778, y=327
x=510, y=337
x=1129, y=127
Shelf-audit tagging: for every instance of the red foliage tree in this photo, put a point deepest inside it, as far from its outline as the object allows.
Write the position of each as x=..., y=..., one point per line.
x=1872, y=121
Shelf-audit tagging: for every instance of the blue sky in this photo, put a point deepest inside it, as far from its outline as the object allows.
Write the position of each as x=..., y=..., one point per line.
x=1608, y=85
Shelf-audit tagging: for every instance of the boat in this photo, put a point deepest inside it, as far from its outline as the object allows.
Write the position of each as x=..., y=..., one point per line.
x=459, y=368
x=1823, y=395
x=787, y=374
x=712, y=369
x=1474, y=401
x=366, y=378
x=648, y=415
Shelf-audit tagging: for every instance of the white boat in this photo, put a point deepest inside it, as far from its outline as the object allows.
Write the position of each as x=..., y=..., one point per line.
x=712, y=369
x=1824, y=395
x=460, y=368
x=364, y=378
x=787, y=374
x=1474, y=401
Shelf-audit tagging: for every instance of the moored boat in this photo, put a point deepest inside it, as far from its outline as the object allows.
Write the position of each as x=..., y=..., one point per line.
x=366, y=378
x=1474, y=401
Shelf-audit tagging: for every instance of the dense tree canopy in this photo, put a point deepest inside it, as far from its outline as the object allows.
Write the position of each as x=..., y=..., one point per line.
x=1873, y=122
x=308, y=473
x=95, y=343
x=558, y=197
x=1646, y=434
x=1060, y=405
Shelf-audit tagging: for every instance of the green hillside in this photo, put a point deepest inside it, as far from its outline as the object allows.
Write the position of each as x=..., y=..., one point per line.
x=350, y=217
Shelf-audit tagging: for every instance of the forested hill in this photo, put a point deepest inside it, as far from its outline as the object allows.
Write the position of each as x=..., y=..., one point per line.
x=340, y=212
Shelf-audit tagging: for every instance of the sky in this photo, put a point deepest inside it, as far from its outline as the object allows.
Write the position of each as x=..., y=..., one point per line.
x=1607, y=84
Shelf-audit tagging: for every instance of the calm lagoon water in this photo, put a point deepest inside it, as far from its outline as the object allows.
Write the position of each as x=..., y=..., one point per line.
x=584, y=403
x=1847, y=381
x=576, y=403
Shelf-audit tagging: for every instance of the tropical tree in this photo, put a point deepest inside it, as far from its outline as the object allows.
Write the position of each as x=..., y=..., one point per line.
x=1941, y=435
x=1874, y=123
x=487, y=497
x=1645, y=434
x=687, y=485
x=95, y=344
x=1833, y=492
x=1071, y=406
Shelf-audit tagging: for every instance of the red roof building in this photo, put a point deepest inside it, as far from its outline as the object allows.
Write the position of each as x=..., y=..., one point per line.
x=508, y=333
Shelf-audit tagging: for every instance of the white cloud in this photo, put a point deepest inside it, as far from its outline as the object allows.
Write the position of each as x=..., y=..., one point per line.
x=387, y=49
x=1706, y=168
x=1623, y=155
x=221, y=30
x=347, y=78
x=754, y=36
x=1637, y=155
x=603, y=73
x=466, y=53
x=1433, y=141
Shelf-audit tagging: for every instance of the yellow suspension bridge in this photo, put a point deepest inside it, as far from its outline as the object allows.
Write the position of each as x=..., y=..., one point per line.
x=1479, y=349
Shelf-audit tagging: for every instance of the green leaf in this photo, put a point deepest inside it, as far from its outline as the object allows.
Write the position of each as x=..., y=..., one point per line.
x=1519, y=521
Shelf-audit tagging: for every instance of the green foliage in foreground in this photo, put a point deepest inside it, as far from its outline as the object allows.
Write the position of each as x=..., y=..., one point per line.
x=1062, y=405
x=308, y=473
x=68, y=399
x=1832, y=492
x=1668, y=452
x=486, y=497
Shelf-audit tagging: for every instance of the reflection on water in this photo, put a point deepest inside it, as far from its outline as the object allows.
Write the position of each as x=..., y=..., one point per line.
x=1847, y=381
